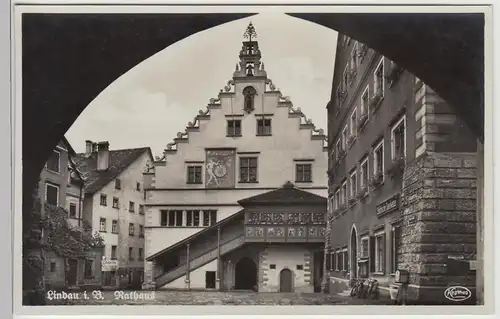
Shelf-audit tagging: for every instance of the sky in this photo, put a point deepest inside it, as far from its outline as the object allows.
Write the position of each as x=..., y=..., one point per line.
x=154, y=100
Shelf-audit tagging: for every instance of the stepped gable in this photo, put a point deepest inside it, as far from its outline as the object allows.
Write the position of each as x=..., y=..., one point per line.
x=288, y=194
x=119, y=160
x=250, y=65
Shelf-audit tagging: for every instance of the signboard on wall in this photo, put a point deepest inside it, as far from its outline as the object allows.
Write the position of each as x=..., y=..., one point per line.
x=109, y=265
x=220, y=168
x=389, y=205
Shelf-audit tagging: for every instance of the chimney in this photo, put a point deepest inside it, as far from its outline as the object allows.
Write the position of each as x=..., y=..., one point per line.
x=88, y=148
x=94, y=147
x=102, y=156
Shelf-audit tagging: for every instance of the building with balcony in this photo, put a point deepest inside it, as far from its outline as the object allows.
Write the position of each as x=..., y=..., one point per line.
x=402, y=179
x=61, y=185
x=239, y=199
x=114, y=203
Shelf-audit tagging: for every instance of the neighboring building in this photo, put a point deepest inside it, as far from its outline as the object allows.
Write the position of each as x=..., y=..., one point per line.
x=402, y=179
x=114, y=202
x=61, y=184
x=220, y=212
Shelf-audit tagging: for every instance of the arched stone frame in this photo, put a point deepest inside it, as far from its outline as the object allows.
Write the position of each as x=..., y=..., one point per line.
x=353, y=259
x=249, y=94
x=231, y=264
x=293, y=275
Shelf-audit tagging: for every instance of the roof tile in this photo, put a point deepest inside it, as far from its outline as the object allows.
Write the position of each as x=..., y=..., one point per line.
x=119, y=160
x=288, y=194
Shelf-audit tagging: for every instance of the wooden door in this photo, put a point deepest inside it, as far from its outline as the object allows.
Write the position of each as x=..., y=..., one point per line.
x=286, y=280
x=72, y=272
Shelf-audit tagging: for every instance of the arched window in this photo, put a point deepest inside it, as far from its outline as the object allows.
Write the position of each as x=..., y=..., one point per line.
x=249, y=94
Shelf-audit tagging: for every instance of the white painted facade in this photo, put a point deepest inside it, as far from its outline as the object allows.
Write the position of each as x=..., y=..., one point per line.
x=292, y=141
x=128, y=192
x=288, y=257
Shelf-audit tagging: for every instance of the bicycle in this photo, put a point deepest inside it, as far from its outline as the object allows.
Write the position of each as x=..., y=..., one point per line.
x=356, y=287
x=373, y=291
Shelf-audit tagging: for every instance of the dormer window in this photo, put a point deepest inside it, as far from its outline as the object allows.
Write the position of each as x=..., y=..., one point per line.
x=249, y=94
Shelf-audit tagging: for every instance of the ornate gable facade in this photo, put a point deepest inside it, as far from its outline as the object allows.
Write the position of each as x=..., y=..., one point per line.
x=249, y=140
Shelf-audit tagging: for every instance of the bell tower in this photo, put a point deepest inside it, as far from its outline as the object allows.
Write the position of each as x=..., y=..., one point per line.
x=250, y=64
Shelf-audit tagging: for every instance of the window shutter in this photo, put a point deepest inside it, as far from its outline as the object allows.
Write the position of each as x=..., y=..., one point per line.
x=371, y=258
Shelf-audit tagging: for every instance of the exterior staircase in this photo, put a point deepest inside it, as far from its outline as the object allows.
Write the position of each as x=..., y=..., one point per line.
x=201, y=259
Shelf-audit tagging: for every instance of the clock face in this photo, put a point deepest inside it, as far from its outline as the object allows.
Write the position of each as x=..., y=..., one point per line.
x=220, y=170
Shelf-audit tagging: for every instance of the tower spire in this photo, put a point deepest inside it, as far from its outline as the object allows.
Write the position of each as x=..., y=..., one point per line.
x=250, y=32
x=250, y=56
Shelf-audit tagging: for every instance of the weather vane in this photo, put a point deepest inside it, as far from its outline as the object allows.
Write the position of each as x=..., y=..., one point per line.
x=250, y=32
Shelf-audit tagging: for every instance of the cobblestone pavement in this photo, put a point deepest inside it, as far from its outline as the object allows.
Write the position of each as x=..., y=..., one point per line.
x=163, y=297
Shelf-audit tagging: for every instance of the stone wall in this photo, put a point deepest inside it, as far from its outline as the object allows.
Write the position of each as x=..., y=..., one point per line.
x=437, y=127
x=439, y=222
x=286, y=257
x=55, y=277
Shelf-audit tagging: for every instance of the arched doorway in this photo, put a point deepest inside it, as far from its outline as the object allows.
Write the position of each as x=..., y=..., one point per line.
x=286, y=280
x=245, y=274
x=354, y=253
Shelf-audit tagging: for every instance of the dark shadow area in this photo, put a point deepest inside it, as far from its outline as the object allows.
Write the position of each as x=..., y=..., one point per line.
x=354, y=253
x=245, y=274
x=69, y=59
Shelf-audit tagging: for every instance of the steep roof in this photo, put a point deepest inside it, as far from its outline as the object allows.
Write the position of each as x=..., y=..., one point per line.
x=119, y=160
x=66, y=143
x=71, y=157
x=288, y=194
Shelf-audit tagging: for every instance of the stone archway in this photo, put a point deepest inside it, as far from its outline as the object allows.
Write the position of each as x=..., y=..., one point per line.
x=286, y=280
x=354, y=253
x=245, y=274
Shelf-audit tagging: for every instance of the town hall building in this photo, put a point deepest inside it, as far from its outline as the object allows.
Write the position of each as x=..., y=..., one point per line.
x=238, y=201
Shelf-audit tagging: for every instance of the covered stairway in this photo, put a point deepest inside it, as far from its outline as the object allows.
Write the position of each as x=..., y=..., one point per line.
x=199, y=249
x=291, y=215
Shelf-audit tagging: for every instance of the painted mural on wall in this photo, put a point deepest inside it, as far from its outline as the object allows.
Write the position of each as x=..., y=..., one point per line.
x=296, y=225
x=220, y=168
x=264, y=218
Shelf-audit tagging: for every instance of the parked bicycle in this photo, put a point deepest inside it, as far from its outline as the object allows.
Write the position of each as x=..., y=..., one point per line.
x=357, y=286
x=365, y=288
x=373, y=291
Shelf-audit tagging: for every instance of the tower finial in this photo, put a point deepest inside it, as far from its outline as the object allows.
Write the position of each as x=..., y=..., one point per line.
x=250, y=32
